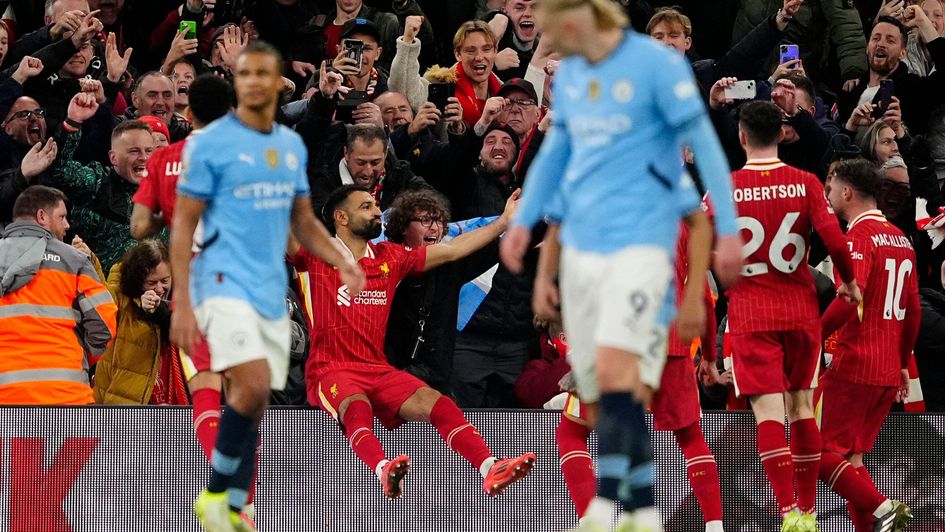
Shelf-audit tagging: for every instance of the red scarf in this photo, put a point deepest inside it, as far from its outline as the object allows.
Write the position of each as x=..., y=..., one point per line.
x=169, y=387
x=371, y=86
x=466, y=94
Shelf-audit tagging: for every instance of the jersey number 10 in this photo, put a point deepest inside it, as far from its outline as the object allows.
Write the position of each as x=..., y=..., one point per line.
x=895, y=282
x=782, y=239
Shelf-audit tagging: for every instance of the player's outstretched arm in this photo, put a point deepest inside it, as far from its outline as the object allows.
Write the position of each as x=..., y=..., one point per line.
x=187, y=212
x=828, y=227
x=468, y=243
x=691, y=321
x=699, y=135
x=144, y=222
x=544, y=177
x=313, y=236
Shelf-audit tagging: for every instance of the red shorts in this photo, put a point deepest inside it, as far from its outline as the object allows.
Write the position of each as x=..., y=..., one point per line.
x=386, y=387
x=851, y=414
x=196, y=361
x=775, y=361
x=676, y=404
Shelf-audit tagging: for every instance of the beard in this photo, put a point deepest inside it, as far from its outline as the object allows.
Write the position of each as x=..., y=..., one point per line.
x=368, y=231
x=883, y=67
x=499, y=171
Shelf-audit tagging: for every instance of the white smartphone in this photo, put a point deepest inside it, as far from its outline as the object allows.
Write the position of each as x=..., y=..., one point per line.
x=741, y=90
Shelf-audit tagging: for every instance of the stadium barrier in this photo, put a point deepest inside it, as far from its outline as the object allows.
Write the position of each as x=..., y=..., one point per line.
x=139, y=468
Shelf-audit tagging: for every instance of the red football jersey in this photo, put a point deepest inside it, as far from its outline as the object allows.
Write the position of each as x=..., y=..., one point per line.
x=158, y=190
x=678, y=348
x=869, y=348
x=349, y=331
x=777, y=207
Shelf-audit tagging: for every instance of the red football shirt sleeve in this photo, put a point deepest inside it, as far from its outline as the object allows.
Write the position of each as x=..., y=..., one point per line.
x=147, y=193
x=301, y=260
x=837, y=314
x=414, y=260
x=827, y=226
x=860, y=252
x=861, y=255
x=910, y=329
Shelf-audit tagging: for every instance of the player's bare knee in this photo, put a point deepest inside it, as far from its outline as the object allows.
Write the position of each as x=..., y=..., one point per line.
x=419, y=405
x=205, y=380
x=767, y=407
x=799, y=405
x=856, y=459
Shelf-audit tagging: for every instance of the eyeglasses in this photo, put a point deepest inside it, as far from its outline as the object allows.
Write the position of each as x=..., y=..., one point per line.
x=26, y=115
x=522, y=102
x=425, y=221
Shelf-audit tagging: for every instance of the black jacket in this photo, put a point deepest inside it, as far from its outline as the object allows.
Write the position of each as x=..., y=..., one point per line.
x=325, y=140
x=398, y=179
x=437, y=293
x=428, y=155
x=806, y=153
x=919, y=96
x=456, y=173
x=929, y=348
x=742, y=59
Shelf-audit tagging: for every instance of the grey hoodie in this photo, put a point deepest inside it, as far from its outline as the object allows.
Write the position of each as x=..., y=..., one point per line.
x=22, y=250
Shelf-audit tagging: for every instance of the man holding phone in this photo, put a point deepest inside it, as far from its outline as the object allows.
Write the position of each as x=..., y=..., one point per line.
x=885, y=51
x=358, y=50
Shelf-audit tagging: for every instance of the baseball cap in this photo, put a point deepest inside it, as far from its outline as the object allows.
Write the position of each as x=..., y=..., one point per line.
x=520, y=84
x=362, y=26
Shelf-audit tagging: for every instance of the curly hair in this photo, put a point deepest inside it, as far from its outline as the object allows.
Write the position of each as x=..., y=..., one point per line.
x=408, y=204
x=138, y=263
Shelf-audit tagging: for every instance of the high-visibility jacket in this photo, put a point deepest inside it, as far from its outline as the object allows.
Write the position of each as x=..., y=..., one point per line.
x=56, y=318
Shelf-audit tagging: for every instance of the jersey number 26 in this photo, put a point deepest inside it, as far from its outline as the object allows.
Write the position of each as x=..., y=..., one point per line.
x=782, y=239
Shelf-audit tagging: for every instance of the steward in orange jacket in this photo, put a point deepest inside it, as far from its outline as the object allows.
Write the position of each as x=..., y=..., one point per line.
x=56, y=317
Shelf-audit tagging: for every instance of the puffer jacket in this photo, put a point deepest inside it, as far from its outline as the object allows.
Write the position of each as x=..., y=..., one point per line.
x=127, y=371
x=820, y=26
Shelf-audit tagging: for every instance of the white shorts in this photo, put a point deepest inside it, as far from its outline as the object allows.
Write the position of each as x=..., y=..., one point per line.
x=621, y=300
x=237, y=334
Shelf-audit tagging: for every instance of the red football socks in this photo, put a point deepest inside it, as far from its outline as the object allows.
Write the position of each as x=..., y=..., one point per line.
x=206, y=418
x=844, y=479
x=863, y=518
x=776, y=460
x=359, y=429
x=702, y=469
x=805, y=453
x=458, y=433
x=576, y=464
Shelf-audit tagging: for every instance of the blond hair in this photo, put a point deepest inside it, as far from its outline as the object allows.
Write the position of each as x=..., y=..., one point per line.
x=608, y=14
x=672, y=17
x=472, y=26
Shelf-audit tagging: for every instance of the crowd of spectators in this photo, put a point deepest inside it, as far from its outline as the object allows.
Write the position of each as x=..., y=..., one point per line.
x=437, y=108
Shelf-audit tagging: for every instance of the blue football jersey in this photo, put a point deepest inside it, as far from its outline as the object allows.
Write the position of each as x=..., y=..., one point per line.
x=249, y=180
